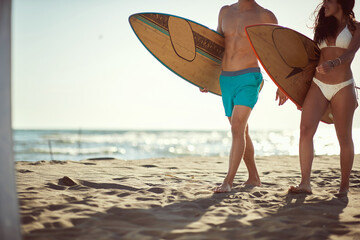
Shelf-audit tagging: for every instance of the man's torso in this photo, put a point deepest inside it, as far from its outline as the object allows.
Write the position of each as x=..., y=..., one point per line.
x=238, y=52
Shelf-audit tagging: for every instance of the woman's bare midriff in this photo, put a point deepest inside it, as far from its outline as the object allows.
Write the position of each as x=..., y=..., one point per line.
x=340, y=73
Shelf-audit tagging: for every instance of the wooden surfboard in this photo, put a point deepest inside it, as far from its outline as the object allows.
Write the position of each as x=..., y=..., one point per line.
x=191, y=50
x=289, y=58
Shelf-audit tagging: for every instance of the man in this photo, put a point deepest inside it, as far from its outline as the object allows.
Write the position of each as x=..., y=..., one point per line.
x=240, y=82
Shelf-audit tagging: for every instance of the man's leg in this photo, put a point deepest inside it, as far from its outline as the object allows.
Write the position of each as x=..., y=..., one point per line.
x=238, y=123
x=249, y=159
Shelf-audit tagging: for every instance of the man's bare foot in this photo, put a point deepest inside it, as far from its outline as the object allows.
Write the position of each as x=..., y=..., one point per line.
x=223, y=188
x=256, y=183
x=300, y=189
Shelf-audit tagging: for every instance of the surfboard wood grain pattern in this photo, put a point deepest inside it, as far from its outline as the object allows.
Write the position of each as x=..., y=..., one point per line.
x=192, y=51
x=289, y=58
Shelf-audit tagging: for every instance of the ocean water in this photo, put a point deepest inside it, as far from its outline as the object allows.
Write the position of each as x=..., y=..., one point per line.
x=38, y=145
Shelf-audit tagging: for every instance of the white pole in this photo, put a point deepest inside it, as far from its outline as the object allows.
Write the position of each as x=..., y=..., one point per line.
x=9, y=209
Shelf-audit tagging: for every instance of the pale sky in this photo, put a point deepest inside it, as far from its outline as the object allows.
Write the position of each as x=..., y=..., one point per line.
x=77, y=64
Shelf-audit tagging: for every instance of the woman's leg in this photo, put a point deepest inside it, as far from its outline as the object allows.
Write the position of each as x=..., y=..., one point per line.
x=343, y=106
x=314, y=107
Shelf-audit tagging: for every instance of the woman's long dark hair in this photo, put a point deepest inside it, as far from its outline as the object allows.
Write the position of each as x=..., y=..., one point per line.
x=326, y=27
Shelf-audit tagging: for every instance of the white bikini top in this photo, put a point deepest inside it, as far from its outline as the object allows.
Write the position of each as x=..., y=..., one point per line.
x=342, y=41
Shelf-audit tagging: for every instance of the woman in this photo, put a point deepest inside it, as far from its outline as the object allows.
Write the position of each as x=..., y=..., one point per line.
x=338, y=36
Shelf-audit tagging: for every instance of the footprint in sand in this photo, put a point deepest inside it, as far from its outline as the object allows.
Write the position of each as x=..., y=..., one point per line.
x=123, y=195
x=57, y=207
x=54, y=186
x=355, y=181
x=87, y=163
x=170, y=199
x=111, y=193
x=107, y=186
x=150, y=184
x=156, y=190
x=149, y=166
x=268, y=184
x=58, y=224
x=258, y=194
x=147, y=199
x=28, y=219
x=37, y=212
x=120, y=179
x=24, y=171
x=172, y=168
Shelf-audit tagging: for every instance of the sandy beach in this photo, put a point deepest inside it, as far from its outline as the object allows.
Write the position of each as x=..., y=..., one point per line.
x=172, y=199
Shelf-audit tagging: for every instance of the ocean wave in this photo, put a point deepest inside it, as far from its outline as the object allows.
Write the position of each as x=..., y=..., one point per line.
x=33, y=145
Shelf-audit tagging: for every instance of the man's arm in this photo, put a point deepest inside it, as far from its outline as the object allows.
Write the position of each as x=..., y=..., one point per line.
x=220, y=18
x=219, y=30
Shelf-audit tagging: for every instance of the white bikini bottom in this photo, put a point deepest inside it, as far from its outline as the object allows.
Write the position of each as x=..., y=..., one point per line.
x=329, y=90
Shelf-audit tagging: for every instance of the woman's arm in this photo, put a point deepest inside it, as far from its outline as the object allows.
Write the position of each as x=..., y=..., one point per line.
x=352, y=49
x=348, y=55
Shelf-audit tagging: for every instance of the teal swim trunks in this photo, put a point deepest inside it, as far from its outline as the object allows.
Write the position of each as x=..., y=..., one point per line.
x=240, y=88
